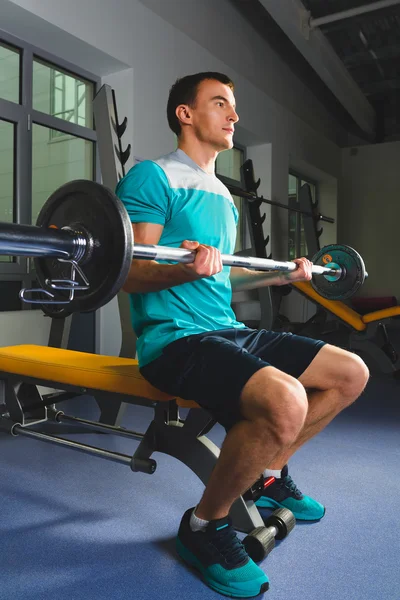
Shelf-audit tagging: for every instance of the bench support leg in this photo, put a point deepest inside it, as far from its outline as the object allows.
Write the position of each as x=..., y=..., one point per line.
x=185, y=441
x=111, y=413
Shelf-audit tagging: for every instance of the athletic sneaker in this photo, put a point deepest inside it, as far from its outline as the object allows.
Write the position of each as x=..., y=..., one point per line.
x=221, y=558
x=284, y=493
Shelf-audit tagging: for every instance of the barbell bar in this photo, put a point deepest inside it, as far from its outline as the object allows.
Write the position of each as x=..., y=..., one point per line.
x=83, y=246
x=154, y=252
x=67, y=244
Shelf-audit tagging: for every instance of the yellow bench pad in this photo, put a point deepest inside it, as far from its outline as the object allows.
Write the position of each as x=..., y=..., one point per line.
x=379, y=315
x=340, y=309
x=91, y=371
x=344, y=312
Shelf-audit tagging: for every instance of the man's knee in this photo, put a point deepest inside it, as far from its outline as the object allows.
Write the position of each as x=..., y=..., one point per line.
x=277, y=405
x=354, y=377
x=337, y=369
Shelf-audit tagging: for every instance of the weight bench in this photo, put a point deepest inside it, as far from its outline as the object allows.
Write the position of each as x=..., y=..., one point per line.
x=112, y=381
x=368, y=333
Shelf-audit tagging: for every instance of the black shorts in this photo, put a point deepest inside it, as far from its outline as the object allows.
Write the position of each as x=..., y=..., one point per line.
x=212, y=368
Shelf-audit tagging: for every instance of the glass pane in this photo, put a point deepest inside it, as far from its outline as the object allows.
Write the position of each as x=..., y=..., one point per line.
x=292, y=187
x=229, y=162
x=62, y=95
x=292, y=221
x=57, y=159
x=297, y=239
x=9, y=73
x=292, y=249
x=303, y=241
x=7, y=150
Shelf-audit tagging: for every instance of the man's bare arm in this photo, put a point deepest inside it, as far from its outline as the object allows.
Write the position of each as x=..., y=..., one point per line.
x=247, y=279
x=147, y=276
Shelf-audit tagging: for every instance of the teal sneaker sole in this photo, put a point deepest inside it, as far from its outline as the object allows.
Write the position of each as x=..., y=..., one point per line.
x=265, y=502
x=241, y=590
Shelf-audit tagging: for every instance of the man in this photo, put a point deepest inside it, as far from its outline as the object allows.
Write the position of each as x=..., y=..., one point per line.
x=271, y=391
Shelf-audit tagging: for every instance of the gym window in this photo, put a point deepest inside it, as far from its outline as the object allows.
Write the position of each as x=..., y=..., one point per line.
x=297, y=239
x=47, y=138
x=227, y=168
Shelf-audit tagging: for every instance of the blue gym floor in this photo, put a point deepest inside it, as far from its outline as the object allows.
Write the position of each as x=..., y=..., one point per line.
x=74, y=527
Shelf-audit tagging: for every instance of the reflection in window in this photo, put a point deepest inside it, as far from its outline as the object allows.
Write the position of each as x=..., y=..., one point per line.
x=57, y=163
x=62, y=95
x=9, y=73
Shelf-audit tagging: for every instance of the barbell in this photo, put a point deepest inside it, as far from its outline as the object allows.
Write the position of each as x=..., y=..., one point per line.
x=83, y=246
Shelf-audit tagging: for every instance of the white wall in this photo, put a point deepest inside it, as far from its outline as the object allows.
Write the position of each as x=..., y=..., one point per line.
x=140, y=54
x=221, y=29
x=24, y=327
x=158, y=53
x=369, y=213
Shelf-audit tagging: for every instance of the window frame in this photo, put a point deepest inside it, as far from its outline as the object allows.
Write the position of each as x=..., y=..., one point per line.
x=23, y=116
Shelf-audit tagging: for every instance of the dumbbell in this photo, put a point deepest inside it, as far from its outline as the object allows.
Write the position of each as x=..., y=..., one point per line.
x=261, y=541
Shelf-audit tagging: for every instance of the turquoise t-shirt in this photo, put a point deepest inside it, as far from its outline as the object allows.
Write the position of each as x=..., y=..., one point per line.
x=191, y=204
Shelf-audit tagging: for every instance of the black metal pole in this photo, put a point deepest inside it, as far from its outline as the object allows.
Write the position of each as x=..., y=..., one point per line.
x=237, y=191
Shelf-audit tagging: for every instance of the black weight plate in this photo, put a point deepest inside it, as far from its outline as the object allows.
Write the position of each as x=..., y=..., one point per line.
x=353, y=272
x=88, y=206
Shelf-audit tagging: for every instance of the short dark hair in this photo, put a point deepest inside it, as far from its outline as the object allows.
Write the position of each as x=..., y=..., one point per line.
x=184, y=91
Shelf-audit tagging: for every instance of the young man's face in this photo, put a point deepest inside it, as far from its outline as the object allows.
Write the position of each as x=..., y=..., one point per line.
x=214, y=115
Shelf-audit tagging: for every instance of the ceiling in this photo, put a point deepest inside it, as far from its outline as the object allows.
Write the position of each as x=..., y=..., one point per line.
x=367, y=44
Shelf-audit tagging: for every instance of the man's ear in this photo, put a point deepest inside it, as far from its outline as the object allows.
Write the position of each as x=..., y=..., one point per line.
x=184, y=114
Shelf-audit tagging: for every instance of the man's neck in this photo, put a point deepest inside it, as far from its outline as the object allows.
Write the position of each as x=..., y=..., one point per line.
x=203, y=157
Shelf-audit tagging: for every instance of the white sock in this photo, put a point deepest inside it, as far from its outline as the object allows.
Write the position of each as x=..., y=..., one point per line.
x=270, y=473
x=197, y=524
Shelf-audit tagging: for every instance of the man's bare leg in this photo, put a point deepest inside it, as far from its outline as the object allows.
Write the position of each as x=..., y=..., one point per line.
x=274, y=407
x=337, y=378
